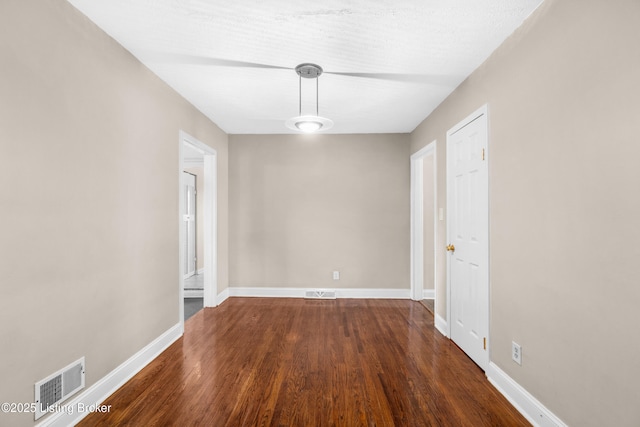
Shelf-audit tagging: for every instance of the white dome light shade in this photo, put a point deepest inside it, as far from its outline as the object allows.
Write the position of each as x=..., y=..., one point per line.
x=309, y=124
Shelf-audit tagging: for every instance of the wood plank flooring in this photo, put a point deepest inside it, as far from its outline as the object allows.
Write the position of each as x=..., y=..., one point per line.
x=295, y=362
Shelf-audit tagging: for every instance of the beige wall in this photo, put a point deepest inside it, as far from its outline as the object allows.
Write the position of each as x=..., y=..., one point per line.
x=564, y=118
x=302, y=206
x=89, y=198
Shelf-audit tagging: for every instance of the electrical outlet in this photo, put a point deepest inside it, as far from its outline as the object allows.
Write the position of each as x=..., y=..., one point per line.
x=516, y=353
x=336, y=275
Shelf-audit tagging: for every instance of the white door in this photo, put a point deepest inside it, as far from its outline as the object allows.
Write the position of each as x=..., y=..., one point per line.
x=468, y=235
x=189, y=221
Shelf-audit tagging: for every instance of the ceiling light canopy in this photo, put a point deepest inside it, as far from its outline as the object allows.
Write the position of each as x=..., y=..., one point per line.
x=308, y=123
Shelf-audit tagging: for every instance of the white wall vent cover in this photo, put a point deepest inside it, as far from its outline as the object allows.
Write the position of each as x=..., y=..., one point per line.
x=58, y=386
x=320, y=294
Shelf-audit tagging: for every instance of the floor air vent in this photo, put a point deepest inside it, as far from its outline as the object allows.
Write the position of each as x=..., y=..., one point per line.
x=320, y=294
x=58, y=386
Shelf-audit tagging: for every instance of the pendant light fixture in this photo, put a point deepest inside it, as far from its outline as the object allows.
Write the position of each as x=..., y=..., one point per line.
x=308, y=123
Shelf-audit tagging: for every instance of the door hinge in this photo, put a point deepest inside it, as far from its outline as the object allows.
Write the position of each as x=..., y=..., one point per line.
x=484, y=342
x=483, y=154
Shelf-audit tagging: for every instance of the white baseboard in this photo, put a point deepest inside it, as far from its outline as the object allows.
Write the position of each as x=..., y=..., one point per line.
x=222, y=297
x=102, y=389
x=299, y=293
x=266, y=292
x=429, y=294
x=374, y=293
x=193, y=293
x=441, y=324
x=534, y=411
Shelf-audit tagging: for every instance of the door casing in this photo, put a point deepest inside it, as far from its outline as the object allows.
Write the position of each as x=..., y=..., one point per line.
x=417, y=221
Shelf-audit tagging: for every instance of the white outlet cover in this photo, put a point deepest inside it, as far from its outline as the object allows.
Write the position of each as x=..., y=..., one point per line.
x=516, y=353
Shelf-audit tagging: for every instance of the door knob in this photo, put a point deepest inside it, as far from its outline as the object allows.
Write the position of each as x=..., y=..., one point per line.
x=451, y=248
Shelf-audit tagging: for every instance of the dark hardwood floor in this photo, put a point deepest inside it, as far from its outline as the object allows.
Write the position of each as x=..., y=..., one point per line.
x=295, y=362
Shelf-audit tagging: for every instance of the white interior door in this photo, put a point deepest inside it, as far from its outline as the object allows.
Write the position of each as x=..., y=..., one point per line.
x=468, y=234
x=189, y=221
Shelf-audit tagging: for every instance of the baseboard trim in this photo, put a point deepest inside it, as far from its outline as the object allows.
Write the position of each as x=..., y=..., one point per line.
x=222, y=296
x=98, y=392
x=299, y=293
x=374, y=293
x=266, y=292
x=193, y=293
x=441, y=325
x=429, y=294
x=534, y=411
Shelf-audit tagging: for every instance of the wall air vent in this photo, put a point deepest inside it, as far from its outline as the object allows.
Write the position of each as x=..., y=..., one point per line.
x=57, y=387
x=320, y=294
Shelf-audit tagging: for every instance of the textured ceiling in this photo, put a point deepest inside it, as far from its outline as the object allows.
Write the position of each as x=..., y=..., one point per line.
x=419, y=50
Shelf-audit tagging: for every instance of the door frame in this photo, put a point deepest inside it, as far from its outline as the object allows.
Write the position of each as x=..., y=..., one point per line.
x=417, y=221
x=209, y=220
x=480, y=112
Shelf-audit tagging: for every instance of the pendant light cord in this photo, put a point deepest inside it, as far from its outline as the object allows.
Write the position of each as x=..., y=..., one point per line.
x=300, y=96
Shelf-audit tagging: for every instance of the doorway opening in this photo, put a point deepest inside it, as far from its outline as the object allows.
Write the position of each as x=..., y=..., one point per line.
x=198, y=230
x=424, y=226
x=192, y=252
